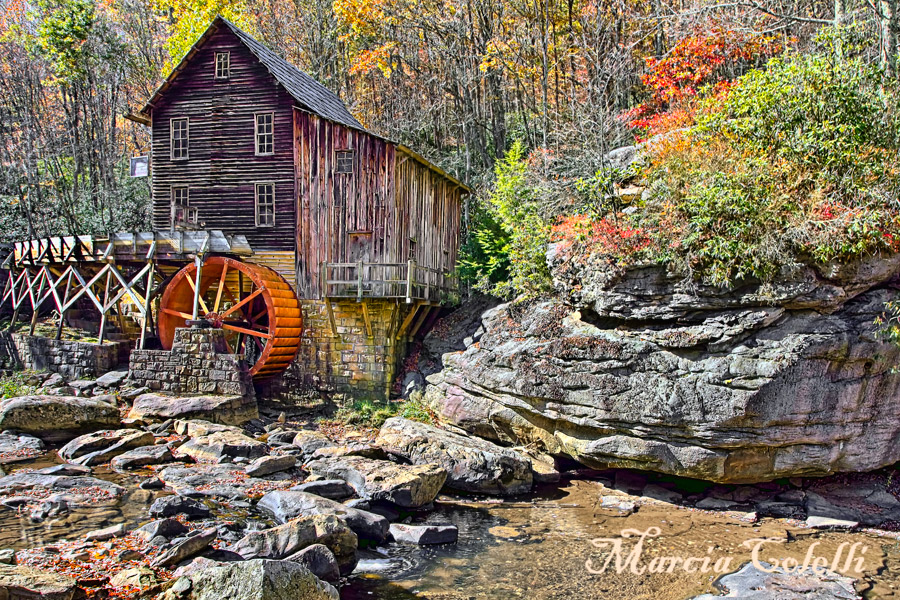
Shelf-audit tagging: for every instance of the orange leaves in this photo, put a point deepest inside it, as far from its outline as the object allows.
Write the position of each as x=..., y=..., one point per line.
x=601, y=236
x=375, y=59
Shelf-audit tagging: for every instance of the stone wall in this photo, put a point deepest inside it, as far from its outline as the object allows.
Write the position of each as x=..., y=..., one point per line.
x=199, y=363
x=69, y=358
x=350, y=365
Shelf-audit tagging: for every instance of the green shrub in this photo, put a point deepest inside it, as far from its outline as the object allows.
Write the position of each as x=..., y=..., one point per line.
x=504, y=254
x=15, y=385
x=798, y=162
x=370, y=413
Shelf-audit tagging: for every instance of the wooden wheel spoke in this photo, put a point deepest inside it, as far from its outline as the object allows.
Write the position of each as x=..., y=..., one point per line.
x=177, y=313
x=229, y=293
x=221, y=288
x=199, y=296
x=242, y=303
x=244, y=330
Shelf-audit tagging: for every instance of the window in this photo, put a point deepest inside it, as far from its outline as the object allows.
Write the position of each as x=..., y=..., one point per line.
x=182, y=213
x=223, y=65
x=179, y=138
x=265, y=137
x=265, y=204
x=343, y=161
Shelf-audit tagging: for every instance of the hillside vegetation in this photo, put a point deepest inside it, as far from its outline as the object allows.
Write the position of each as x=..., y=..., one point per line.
x=792, y=162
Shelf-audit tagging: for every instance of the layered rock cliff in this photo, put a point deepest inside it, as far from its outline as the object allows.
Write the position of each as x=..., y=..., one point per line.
x=644, y=369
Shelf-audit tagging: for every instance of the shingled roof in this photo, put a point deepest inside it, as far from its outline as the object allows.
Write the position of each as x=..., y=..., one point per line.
x=309, y=93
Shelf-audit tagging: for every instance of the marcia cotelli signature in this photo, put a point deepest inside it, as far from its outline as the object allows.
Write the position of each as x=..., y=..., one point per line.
x=847, y=557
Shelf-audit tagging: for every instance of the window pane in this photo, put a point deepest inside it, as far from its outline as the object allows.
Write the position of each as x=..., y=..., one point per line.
x=179, y=138
x=265, y=138
x=222, y=65
x=265, y=204
x=343, y=161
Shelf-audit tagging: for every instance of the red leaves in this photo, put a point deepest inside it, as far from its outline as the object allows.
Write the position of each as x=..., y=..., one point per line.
x=601, y=236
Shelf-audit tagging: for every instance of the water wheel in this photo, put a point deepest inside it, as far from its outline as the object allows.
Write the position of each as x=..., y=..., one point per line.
x=254, y=305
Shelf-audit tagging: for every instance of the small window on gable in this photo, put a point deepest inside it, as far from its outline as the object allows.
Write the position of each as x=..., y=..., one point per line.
x=343, y=161
x=265, y=134
x=223, y=65
x=265, y=204
x=178, y=135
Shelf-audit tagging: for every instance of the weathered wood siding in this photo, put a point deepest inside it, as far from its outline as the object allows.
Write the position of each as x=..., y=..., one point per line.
x=222, y=169
x=371, y=214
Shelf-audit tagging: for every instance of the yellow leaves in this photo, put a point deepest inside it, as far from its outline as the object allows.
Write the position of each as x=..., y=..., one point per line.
x=378, y=58
x=190, y=18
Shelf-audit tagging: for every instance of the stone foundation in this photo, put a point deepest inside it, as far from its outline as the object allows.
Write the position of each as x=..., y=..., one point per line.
x=71, y=359
x=199, y=363
x=350, y=365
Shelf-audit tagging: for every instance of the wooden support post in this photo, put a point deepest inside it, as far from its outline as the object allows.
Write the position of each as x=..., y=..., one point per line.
x=147, y=303
x=119, y=317
x=15, y=315
x=410, y=268
x=62, y=310
x=359, y=281
x=35, y=307
x=401, y=332
x=366, y=319
x=419, y=321
x=105, y=307
x=198, y=261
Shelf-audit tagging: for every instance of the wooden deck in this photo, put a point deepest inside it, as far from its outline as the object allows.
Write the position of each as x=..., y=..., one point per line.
x=126, y=247
x=362, y=280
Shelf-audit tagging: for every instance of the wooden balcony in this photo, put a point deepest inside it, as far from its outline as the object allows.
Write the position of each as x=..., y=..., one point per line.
x=363, y=280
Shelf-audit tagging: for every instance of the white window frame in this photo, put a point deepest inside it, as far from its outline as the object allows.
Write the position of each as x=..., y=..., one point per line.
x=187, y=138
x=257, y=205
x=337, y=153
x=256, y=133
x=227, y=74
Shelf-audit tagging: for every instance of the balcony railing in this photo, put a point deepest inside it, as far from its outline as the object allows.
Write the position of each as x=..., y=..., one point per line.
x=407, y=280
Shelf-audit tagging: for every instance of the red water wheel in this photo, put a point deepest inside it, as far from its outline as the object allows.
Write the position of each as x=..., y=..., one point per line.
x=254, y=305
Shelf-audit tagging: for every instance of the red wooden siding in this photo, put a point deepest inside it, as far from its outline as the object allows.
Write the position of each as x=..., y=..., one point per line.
x=371, y=214
x=222, y=169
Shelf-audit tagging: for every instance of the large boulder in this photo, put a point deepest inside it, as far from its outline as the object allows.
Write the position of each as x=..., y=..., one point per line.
x=102, y=446
x=253, y=580
x=472, y=464
x=26, y=582
x=774, y=583
x=58, y=418
x=409, y=486
x=295, y=535
x=637, y=370
x=215, y=446
x=216, y=481
x=227, y=410
x=141, y=457
x=286, y=505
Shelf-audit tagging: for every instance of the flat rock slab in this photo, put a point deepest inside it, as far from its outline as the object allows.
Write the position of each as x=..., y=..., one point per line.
x=424, y=534
x=25, y=582
x=186, y=548
x=107, y=533
x=212, y=447
x=310, y=441
x=171, y=506
x=297, y=534
x=267, y=465
x=285, y=505
x=749, y=583
x=409, y=486
x=142, y=457
x=15, y=448
x=225, y=410
x=472, y=464
x=102, y=446
x=111, y=379
x=255, y=580
x=215, y=481
x=334, y=489
x=77, y=490
x=168, y=528
x=58, y=418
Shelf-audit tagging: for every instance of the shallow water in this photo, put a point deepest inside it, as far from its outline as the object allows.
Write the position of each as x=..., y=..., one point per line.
x=538, y=549
x=19, y=532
